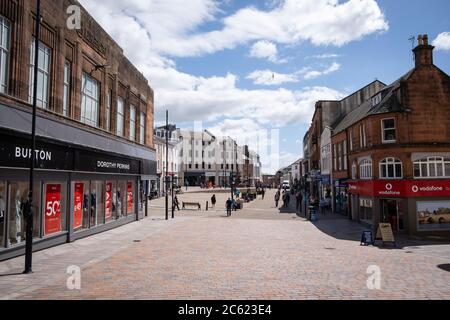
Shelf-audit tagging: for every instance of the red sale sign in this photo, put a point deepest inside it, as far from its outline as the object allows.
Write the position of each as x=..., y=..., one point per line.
x=130, y=197
x=52, y=209
x=108, y=211
x=78, y=205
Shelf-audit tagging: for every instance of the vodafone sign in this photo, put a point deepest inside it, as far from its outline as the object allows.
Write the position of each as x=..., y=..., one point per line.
x=401, y=188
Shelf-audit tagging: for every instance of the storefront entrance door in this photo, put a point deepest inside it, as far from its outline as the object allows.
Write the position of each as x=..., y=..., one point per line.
x=389, y=213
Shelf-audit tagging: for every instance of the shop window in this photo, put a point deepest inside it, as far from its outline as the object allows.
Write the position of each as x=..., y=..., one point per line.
x=121, y=194
x=89, y=101
x=432, y=167
x=66, y=92
x=2, y=213
x=120, y=117
x=108, y=109
x=366, y=211
x=130, y=198
x=43, y=77
x=97, y=209
x=54, y=208
x=433, y=215
x=365, y=169
x=18, y=195
x=5, y=28
x=391, y=168
x=388, y=130
x=110, y=201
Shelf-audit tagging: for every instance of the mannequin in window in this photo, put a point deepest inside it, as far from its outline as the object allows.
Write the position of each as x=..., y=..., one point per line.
x=93, y=209
x=85, y=211
x=119, y=204
x=16, y=219
x=2, y=208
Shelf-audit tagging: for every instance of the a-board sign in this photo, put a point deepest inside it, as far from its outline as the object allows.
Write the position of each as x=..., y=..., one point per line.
x=384, y=233
x=367, y=238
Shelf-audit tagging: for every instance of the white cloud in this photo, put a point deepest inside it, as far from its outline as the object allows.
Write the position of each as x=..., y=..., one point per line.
x=266, y=50
x=442, y=42
x=172, y=27
x=268, y=77
x=312, y=74
x=325, y=56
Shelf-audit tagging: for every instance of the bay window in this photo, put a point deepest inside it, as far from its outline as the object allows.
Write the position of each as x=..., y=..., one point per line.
x=5, y=30
x=44, y=56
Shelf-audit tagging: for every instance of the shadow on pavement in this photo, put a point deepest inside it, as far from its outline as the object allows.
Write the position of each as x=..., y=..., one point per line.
x=11, y=274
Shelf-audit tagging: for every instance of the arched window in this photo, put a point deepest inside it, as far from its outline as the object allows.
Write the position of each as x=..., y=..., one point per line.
x=432, y=167
x=365, y=169
x=391, y=168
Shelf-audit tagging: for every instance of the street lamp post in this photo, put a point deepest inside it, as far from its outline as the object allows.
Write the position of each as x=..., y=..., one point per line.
x=167, y=165
x=29, y=204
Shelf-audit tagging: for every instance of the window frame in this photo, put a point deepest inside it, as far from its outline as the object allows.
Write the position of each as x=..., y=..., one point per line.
x=5, y=52
x=387, y=162
x=94, y=121
x=67, y=83
x=120, y=129
x=43, y=103
x=142, y=127
x=383, y=130
x=432, y=160
x=132, y=131
x=366, y=169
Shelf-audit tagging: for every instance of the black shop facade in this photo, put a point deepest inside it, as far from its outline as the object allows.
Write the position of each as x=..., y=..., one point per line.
x=78, y=191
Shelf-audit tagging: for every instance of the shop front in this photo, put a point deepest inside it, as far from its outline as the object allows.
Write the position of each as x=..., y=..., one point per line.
x=77, y=192
x=416, y=207
x=341, y=197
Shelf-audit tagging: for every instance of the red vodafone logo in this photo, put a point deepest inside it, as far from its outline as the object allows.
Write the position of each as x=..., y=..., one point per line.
x=415, y=189
x=388, y=186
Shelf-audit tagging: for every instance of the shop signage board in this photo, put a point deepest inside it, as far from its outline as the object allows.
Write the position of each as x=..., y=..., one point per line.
x=97, y=162
x=367, y=238
x=384, y=233
x=401, y=188
x=78, y=205
x=52, y=209
x=16, y=153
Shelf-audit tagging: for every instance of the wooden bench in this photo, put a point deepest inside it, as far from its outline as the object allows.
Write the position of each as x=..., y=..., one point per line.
x=191, y=204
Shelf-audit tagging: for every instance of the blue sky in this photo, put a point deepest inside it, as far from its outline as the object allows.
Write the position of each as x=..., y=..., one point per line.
x=242, y=67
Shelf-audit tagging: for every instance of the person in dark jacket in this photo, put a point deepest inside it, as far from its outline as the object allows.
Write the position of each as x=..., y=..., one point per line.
x=229, y=205
x=213, y=200
x=277, y=198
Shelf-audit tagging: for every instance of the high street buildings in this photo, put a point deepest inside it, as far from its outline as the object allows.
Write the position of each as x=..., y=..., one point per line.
x=95, y=152
x=391, y=152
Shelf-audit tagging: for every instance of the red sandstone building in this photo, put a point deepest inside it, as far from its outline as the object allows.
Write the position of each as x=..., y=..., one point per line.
x=95, y=151
x=398, y=150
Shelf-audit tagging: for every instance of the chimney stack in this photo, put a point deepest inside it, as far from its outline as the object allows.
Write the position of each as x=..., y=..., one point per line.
x=423, y=52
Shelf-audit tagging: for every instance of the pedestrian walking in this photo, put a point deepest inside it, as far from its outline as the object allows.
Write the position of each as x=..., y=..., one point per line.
x=288, y=199
x=176, y=204
x=213, y=201
x=229, y=205
x=283, y=198
x=263, y=192
x=298, y=197
x=277, y=198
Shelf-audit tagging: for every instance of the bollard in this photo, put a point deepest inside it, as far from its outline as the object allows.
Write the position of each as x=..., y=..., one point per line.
x=206, y=205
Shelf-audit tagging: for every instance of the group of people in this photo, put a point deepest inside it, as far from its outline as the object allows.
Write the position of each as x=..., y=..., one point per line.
x=285, y=196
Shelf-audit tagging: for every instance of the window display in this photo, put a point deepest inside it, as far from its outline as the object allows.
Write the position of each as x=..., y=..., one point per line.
x=130, y=198
x=2, y=213
x=97, y=203
x=18, y=193
x=54, y=208
x=365, y=210
x=78, y=205
x=86, y=196
x=109, y=201
x=121, y=199
x=433, y=215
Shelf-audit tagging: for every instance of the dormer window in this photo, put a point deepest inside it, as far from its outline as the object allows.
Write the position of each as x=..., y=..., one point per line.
x=376, y=100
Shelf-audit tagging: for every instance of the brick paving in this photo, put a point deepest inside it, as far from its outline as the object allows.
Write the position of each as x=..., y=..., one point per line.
x=258, y=253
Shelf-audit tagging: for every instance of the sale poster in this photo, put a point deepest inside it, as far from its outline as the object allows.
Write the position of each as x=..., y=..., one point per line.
x=130, y=197
x=108, y=203
x=53, y=209
x=78, y=206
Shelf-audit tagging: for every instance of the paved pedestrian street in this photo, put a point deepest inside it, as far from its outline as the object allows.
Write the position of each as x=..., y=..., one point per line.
x=258, y=253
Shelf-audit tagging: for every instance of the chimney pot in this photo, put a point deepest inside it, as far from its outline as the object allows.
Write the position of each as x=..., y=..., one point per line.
x=420, y=39
x=425, y=39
